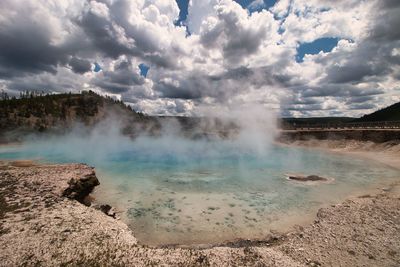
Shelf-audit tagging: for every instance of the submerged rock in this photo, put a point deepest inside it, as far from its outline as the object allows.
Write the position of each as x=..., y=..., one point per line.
x=302, y=178
x=108, y=210
x=22, y=163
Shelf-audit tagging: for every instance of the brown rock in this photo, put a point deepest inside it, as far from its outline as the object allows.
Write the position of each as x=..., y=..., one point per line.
x=79, y=188
x=307, y=178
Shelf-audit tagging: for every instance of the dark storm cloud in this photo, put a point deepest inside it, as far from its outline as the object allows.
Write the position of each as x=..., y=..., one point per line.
x=305, y=101
x=37, y=53
x=80, y=65
x=256, y=77
x=221, y=87
x=310, y=99
x=373, y=56
x=161, y=60
x=184, y=90
x=349, y=73
x=195, y=86
x=209, y=38
x=103, y=35
x=144, y=40
x=370, y=59
x=389, y=4
x=243, y=43
x=238, y=73
x=171, y=91
x=341, y=90
x=65, y=81
x=236, y=40
x=360, y=99
x=234, y=74
x=25, y=48
x=372, y=62
x=297, y=102
x=115, y=36
x=121, y=79
x=311, y=107
x=36, y=85
x=386, y=24
x=357, y=106
x=28, y=45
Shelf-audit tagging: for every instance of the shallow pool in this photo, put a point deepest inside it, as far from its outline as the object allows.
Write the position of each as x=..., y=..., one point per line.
x=179, y=191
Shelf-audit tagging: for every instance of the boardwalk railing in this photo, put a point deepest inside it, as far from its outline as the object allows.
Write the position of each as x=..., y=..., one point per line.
x=344, y=125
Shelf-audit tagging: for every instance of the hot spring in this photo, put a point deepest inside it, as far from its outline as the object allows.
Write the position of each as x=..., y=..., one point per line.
x=172, y=190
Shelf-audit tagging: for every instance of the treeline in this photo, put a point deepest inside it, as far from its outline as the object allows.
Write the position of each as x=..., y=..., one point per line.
x=39, y=110
x=390, y=113
x=39, y=103
x=23, y=94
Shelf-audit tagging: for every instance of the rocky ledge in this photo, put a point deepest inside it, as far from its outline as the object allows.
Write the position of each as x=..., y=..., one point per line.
x=81, y=186
x=43, y=224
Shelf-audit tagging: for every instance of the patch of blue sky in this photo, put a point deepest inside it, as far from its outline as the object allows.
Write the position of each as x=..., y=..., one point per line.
x=325, y=44
x=183, y=12
x=256, y=5
x=282, y=17
x=250, y=5
x=144, y=69
x=97, y=67
x=308, y=10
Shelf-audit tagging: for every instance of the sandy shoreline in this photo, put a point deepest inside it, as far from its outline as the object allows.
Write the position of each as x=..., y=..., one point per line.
x=38, y=225
x=387, y=153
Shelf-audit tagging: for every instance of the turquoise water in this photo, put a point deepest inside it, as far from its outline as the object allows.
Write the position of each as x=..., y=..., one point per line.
x=173, y=190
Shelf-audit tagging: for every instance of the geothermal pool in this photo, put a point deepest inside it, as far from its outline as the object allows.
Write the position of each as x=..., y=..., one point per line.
x=178, y=191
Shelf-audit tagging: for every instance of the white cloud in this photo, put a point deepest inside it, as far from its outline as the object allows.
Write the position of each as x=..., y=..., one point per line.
x=231, y=58
x=200, y=11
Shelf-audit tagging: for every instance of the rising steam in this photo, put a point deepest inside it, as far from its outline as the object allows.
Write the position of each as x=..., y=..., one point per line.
x=249, y=130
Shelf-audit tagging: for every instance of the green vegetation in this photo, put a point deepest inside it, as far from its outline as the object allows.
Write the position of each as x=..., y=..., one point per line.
x=288, y=123
x=390, y=113
x=39, y=111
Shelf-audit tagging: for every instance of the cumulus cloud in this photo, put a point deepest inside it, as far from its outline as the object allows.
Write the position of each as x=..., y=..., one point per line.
x=80, y=65
x=120, y=78
x=29, y=43
x=223, y=55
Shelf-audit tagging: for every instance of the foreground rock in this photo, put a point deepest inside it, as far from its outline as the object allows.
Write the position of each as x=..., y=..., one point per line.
x=39, y=225
x=80, y=187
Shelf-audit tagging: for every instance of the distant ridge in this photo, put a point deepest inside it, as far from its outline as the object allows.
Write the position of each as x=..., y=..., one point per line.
x=43, y=112
x=315, y=120
x=58, y=113
x=390, y=113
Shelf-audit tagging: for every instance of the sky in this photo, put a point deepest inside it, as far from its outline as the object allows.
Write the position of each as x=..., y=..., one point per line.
x=299, y=58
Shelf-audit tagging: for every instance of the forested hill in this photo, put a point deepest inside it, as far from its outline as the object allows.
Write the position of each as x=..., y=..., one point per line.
x=57, y=113
x=36, y=112
x=390, y=113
